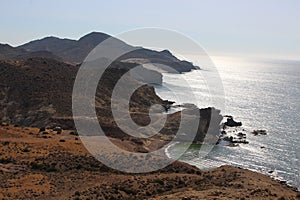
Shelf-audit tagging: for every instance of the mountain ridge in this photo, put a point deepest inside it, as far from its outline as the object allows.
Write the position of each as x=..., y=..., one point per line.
x=75, y=51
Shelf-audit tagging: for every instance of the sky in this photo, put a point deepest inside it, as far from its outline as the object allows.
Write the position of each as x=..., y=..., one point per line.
x=223, y=27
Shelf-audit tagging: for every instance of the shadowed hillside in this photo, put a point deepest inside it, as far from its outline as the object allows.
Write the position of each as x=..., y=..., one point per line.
x=8, y=52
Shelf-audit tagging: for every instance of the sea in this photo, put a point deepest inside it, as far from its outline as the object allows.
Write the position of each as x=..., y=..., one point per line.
x=262, y=94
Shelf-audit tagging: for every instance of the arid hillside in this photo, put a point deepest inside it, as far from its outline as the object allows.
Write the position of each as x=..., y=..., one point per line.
x=47, y=165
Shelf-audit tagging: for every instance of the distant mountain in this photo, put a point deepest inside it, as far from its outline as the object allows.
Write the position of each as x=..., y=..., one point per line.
x=72, y=51
x=75, y=51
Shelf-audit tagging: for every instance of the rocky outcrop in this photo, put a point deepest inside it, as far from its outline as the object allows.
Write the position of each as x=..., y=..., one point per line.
x=231, y=123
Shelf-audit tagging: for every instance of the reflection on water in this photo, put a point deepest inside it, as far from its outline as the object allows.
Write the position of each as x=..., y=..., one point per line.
x=262, y=96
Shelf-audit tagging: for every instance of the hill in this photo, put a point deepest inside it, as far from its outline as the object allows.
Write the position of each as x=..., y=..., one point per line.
x=8, y=52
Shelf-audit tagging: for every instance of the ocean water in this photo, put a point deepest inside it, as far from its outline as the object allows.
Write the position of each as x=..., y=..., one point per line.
x=262, y=95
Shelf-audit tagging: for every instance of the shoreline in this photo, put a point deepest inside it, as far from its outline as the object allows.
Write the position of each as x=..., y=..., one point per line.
x=267, y=173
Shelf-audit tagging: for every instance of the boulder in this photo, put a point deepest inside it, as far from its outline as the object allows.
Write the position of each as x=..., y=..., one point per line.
x=58, y=129
x=42, y=129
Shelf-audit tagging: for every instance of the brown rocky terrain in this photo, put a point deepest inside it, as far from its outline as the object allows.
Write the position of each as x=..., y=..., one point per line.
x=47, y=165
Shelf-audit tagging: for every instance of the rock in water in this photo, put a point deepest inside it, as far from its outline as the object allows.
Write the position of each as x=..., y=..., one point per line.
x=230, y=122
x=259, y=132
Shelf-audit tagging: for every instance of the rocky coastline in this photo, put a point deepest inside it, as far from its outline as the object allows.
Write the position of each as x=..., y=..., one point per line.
x=42, y=156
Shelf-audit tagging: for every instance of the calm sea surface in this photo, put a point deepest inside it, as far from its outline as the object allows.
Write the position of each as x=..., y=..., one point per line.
x=262, y=96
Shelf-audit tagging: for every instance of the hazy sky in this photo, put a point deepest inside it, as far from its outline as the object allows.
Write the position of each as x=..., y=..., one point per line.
x=258, y=27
